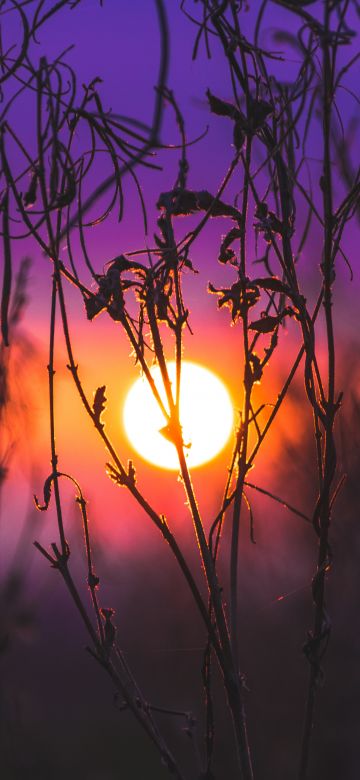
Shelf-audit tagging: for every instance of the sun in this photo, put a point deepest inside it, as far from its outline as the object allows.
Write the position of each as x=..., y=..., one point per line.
x=206, y=416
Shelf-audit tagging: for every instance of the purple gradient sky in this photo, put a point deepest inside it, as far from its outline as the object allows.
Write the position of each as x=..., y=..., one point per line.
x=121, y=45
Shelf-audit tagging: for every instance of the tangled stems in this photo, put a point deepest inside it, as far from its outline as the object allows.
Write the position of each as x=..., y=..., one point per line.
x=327, y=465
x=271, y=122
x=324, y=407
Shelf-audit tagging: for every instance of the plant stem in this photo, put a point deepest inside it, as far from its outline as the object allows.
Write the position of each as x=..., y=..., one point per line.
x=231, y=676
x=244, y=425
x=329, y=457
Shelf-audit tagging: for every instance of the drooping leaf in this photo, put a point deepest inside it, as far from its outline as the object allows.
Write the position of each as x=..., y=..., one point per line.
x=93, y=580
x=239, y=297
x=238, y=136
x=29, y=197
x=256, y=368
x=47, y=495
x=265, y=324
x=120, y=264
x=66, y=197
x=94, y=306
x=222, y=108
x=178, y=202
x=109, y=628
x=111, y=287
x=217, y=207
x=268, y=323
x=227, y=254
x=260, y=110
x=181, y=203
x=162, y=305
x=273, y=284
x=99, y=405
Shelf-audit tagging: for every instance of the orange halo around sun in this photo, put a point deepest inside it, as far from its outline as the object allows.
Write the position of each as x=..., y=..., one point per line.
x=206, y=415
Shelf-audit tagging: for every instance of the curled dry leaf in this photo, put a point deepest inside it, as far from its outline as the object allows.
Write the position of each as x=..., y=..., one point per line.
x=99, y=405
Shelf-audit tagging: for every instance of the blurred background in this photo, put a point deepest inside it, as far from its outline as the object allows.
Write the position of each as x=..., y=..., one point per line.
x=58, y=713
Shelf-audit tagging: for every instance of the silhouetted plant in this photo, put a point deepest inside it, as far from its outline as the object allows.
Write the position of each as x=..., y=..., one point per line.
x=272, y=122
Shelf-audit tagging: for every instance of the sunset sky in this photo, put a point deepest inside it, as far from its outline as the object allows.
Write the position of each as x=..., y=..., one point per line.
x=119, y=43
x=123, y=50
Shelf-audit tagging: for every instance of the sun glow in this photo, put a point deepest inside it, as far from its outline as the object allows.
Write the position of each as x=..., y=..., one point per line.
x=206, y=416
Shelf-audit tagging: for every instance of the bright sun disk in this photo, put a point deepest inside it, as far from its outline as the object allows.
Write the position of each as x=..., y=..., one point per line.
x=206, y=416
